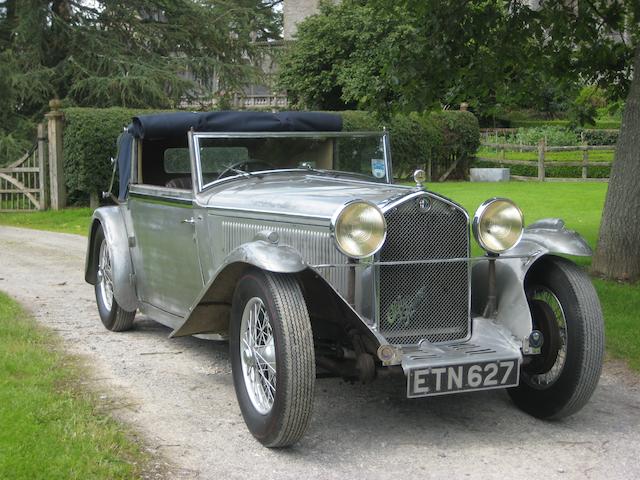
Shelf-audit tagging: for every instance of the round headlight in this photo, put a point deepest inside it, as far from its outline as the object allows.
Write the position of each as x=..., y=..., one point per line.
x=498, y=225
x=359, y=229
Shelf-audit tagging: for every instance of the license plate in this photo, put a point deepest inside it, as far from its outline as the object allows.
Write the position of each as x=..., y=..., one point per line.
x=423, y=382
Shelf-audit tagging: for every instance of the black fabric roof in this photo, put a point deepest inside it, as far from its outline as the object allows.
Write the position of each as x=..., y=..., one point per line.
x=124, y=163
x=175, y=124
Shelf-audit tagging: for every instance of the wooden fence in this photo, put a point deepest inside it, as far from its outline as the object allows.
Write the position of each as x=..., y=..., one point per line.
x=23, y=183
x=542, y=162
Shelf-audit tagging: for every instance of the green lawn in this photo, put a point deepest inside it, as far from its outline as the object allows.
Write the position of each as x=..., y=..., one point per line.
x=50, y=427
x=71, y=220
x=579, y=204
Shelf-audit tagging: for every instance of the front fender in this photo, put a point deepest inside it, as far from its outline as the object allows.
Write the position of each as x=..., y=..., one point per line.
x=551, y=236
x=210, y=312
x=115, y=232
x=544, y=237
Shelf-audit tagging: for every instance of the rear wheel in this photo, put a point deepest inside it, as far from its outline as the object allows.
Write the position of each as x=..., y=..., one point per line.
x=113, y=316
x=565, y=308
x=272, y=357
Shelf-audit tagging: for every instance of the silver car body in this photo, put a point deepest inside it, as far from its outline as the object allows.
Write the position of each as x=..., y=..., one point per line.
x=177, y=254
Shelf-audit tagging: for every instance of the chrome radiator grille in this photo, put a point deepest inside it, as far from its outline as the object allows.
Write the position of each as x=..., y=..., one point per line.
x=315, y=245
x=425, y=301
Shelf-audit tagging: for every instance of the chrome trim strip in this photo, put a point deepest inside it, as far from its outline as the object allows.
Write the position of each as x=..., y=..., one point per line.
x=386, y=144
x=211, y=211
x=286, y=134
x=418, y=262
x=169, y=197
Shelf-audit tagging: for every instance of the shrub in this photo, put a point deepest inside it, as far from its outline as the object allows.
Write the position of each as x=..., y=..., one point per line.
x=599, y=137
x=90, y=136
x=584, y=109
x=555, y=136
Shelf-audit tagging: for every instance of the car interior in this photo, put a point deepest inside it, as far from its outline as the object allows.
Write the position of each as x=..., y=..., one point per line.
x=223, y=157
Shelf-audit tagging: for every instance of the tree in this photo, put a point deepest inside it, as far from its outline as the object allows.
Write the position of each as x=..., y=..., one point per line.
x=148, y=53
x=386, y=55
x=405, y=55
x=618, y=252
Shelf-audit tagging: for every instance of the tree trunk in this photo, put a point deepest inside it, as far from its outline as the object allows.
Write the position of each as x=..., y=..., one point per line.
x=618, y=254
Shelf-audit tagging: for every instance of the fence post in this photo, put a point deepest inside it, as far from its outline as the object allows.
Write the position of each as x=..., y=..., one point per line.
x=542, y=146
x=585, y=160
x=42, y=164
x=56, y=168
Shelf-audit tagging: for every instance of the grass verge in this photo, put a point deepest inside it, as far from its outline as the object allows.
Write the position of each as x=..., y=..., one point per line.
x=50, y=425
x=70, y=220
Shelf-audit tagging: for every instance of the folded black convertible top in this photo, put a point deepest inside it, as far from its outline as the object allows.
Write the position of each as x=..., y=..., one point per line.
x=176, y=124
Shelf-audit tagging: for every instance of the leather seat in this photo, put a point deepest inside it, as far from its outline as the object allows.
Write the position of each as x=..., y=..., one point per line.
x=180, y=182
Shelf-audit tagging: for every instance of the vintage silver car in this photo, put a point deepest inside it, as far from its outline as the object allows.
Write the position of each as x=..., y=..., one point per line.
x=286, y=236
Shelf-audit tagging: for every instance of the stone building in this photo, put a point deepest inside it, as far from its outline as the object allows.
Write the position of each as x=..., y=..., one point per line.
x=264, y=96
x=294, y=11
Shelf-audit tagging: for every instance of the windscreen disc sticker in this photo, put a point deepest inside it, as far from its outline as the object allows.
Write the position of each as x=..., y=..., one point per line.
x=377, y=167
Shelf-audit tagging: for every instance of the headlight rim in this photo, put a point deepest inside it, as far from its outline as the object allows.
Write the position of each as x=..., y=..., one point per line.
x=334, y=222
x=477, y=217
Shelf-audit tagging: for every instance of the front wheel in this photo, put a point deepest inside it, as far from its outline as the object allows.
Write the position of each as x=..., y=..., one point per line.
x=272, y=357
x=565, y=308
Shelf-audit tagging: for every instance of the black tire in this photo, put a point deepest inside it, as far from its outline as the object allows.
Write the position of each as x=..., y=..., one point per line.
x=543, y=392
x=113, y=317
x=292, y=404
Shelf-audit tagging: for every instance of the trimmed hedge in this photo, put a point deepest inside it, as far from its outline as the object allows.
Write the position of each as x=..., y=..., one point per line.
x=417, y=138
x=600, y=124
x=550, y=171
x=599, y=137
x=90, y=136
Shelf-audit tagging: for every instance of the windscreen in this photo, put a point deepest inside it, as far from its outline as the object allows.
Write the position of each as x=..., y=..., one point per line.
x=359, y=155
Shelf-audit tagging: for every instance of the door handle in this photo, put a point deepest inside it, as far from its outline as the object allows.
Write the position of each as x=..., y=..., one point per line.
x=189, y=220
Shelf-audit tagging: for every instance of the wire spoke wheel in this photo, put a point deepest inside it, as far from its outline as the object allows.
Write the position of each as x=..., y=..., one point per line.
x=105, y=275
x=257, y=351
x=549, y=318
x=112, y=315
x=272, y=356
x=564, y=306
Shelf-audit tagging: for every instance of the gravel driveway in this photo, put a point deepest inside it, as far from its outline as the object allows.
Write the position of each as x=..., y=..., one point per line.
x=179, y=395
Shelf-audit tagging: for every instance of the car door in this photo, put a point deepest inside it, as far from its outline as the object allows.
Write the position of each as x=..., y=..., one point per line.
x=169, y=273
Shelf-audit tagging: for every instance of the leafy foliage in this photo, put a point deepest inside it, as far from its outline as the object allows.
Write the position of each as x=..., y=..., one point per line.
x=143, y=54
x=554, y=136
x=599, y=137
x=89, y=142
x=388, y=56
x=403, y=55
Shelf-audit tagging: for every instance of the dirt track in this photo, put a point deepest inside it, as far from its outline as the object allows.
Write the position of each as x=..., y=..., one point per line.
x=179, y=395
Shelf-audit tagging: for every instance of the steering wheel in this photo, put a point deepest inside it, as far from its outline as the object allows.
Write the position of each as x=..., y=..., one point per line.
x=234, y=167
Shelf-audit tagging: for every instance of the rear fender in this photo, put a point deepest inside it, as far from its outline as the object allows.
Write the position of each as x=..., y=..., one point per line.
x=115, y=232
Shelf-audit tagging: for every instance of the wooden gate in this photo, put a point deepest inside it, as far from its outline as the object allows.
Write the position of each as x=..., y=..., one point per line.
x=23, y=183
